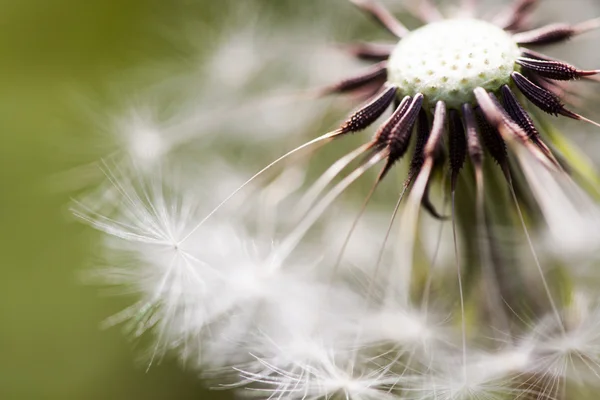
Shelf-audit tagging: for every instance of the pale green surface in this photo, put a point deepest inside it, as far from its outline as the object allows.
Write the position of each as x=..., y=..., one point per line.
x=447, y=60
x=67, y=64
x=53, y=52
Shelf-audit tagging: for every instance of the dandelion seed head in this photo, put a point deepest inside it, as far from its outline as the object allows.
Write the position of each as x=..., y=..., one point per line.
x=447, y=60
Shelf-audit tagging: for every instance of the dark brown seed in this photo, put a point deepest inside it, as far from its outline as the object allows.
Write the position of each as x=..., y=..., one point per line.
x=400, y=134
x=428, y=205
x=528, y=53
x=508, y=128
x=381, y=137
x=517, y=14
x=566, y=93
x=399, y=137
x=542, y=98
x=382, y=16
x=558, y=88
x=491, y=138
x=507, y=122
x=473, y=144
x=548, y=84
x=376, y=74
x=371, y=51
x=546, y=35
x=518, y=113
x=556, y=70
x=422, y=136
x=457, y=149
x=369, y=113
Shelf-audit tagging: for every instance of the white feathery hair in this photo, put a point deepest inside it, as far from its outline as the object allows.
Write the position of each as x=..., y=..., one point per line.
x=324, y=371
x=482, y=375
x=244, y=291
x=206, y=296
x=568, y=349
x=186, y=113
x=572, y=217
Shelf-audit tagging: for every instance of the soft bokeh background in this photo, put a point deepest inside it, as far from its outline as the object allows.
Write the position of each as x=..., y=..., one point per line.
x=59, y=57
x=56, y=55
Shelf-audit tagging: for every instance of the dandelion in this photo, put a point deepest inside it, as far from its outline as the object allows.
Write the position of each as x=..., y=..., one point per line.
x=467, y=70
x=284, y=294
x=469, y=77
x=463, y=87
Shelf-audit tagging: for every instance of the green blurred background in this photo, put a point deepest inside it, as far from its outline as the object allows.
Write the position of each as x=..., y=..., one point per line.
x=53, y=53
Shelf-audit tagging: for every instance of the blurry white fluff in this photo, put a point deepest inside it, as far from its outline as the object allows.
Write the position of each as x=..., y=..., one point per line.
x=568, y=351
x=322, y=372
x=208, y=287
x=232, y=83
x=572, y=217
x=235, y=302
x=235, y=295
x=207, y=98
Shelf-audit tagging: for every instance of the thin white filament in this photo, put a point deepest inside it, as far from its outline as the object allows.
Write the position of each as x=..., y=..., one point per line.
x=494, y=295
x=460, y=289
x=326, y=136
x=429, y=282
x=535, y=256
x=313, y=193
x=292, y=240
x=408, y=228
x=354, y=225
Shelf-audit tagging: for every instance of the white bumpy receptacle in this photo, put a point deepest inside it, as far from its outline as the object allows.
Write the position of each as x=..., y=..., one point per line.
x=446, y=60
